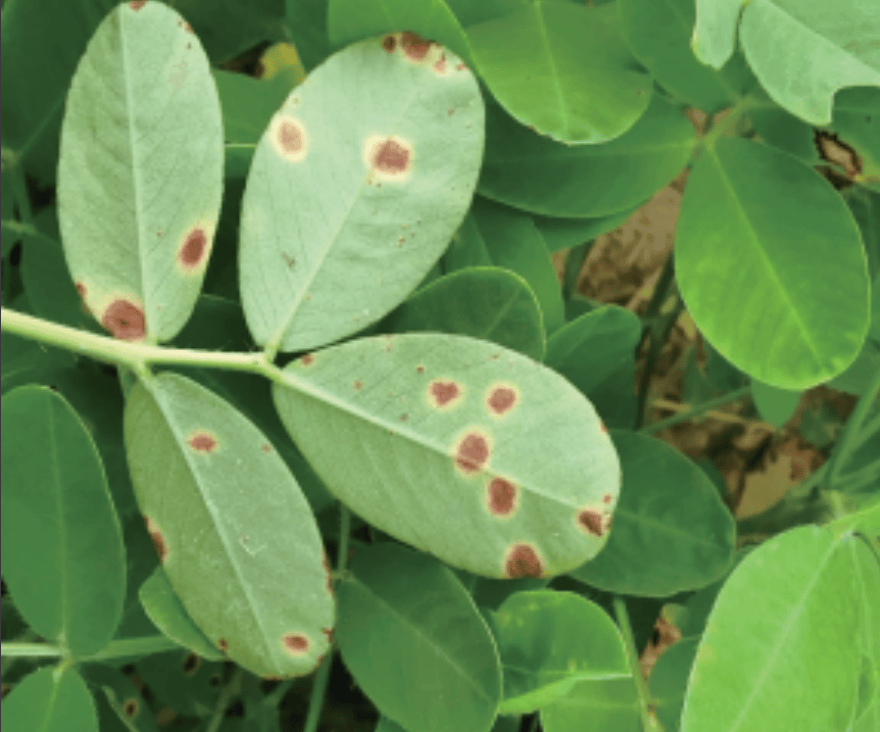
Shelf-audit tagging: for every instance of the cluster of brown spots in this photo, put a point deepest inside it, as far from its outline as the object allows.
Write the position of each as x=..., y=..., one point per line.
x=389, y=43
x=295, y=643
x=307, y=360
x=414, y=47
x=501, y=399
x=130, y=707
x=202, y=441
x=137, y=4
x=158, y=539
x=223, y=645
x=289, y=138
x=186, y=26
x=191, y=663
x=594, y=521
x=501, y=497
x=472, y=452
x=125, y=320
x=443, y=394
x=389, y=157
x=191, y=254
x=523, y=561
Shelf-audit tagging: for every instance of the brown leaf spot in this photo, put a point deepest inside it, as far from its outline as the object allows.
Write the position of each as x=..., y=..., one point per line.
x=403, y=417
x=472, y=452
x=295, y=644
x=602, y=427
x=266, y=447
x=137, y=4
x=125, y=321
x=289, y=137
x=328, y=634
x=223, y=645
x=389, y=43
x=501, y=399
x=202, y=441
x=607, y=498
x=501, y=497
x=420, y=369
x=595, y=522
x=443, y=394
x=358, y=384
x=440, y=64
x=414, y=46
x=195, y=246
x=307, y=360
x=460, y=67
x=191, y=663
x=389, y=157
x=158, y=539
x=130, y=708
x=523, y=561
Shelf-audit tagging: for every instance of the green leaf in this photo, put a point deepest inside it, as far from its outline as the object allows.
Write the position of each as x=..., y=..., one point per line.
x=306, y=24
x=28, y=362
x=415, y=642
x=353, y=20
x=562, y=70
x=659, y=35
x=63, y=555
x=562, y=234
x=430, y=421
x=490, y=303
x=596, y=353
x=380, y=150
x=531, y=172
x=778, y=650
x=671, y=532
x=868, y=574
x=49, y=700
x=183, y=681
x=781, y=129
x=511, y=240
x=141, y=172
x=233, y=530
x=857, y=121
x=789, y=254
x=120, y=698
x=549, y=641
x=164, y=608
x=611, y=704
x=40, y=44
x=248, y=104
x=669, y=679
x=802, y=51
x=775, y=406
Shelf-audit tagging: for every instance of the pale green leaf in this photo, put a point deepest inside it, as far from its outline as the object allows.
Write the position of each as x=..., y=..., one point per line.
x=234, y=532
x=458, y=430
x=141, y=172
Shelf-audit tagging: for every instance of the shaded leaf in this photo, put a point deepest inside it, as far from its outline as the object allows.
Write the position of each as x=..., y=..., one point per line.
x=671, y=532
x=64, y=560
x=775, y=406
x=430, y=421
x=417, y=616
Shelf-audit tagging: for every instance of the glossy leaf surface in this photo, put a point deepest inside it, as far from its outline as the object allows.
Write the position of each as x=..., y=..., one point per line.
x=63, y=556
x=550, y=640
x=789, y=253
x=413, y=640
x=233, y=531
x=778, y=650
x=562, y=70
x=46, y=701
x=489, y=303
x=141, y=172
x=459, y=430
x=379, y=149
x=671, y=532
x=531, y=172
x=164, y=608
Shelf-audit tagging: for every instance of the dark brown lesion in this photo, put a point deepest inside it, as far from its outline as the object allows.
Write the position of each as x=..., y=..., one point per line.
x=125, y=321
x=835, y=151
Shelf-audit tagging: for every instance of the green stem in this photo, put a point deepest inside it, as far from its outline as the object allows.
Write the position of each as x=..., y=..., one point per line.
x=659, y=335
x=20, y=195
x=322, y=677
x=849, y=439
x=698, y=410
x=115, y=649
x=633, y=657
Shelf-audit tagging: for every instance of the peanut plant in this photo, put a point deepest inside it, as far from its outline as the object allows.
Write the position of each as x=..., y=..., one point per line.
x=335, y=331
